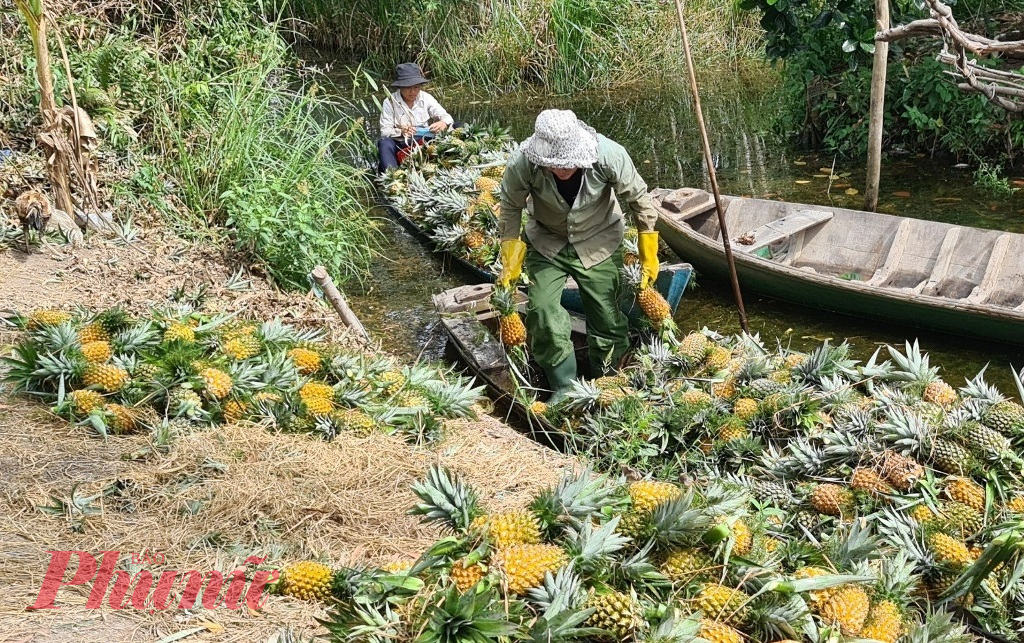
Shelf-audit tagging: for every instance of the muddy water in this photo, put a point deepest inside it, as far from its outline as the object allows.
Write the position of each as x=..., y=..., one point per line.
x=659, y=130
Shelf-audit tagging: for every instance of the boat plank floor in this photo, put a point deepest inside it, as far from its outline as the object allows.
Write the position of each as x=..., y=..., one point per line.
x=780, y=229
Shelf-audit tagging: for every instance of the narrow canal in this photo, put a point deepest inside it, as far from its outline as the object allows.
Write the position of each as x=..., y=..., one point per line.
x=659, y=130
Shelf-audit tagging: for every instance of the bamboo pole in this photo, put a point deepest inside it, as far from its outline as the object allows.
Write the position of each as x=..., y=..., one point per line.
x=878, y=72
x=711, y=171
x=332, y=294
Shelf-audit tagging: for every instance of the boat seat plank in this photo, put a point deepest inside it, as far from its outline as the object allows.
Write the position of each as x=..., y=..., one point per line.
x=780, y=229
x=895, y=256
x=479, y=342
x=945, y=259
x=685, y=203
x=995, y=265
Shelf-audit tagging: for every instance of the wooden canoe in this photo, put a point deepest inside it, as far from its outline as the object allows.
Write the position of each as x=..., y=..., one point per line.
x=671, y=284
x=923, y=274
x=469, y=322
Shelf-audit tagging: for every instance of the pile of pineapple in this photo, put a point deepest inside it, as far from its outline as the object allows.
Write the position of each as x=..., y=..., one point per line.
x=175, y=369
x=598, y=558
x=820, y=440
x=450, y=189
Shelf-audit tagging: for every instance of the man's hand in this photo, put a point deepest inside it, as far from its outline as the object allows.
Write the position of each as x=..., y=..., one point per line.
x=513, y=251
x=408, y=130
x=438, y=126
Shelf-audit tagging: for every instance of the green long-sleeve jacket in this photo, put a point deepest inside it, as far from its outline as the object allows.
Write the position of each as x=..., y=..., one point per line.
x=594, y=225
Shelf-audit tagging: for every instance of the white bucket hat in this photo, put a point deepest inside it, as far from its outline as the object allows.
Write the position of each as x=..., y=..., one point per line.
x=561, y=140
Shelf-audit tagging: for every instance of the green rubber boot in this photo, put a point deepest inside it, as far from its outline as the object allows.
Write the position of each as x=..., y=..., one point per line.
x=560, y=378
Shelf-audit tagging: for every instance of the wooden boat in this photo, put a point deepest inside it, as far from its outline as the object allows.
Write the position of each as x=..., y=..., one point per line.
x=470, y=323
x=923, y=274
x=672, y=282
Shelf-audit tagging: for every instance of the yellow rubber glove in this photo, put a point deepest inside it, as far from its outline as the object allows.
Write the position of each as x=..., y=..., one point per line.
x=647, y=245
x=513, y=251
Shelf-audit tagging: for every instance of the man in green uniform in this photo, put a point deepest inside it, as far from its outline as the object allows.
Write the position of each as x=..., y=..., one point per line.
x=579, y=183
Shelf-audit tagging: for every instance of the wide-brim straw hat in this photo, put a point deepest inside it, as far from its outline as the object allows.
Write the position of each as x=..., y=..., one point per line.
x=408, y=75
x=560, y=140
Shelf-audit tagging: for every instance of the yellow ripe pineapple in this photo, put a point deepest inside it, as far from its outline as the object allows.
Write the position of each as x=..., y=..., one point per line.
x=511, y=330
x=900, y=471
x=46, y=317
x=733, y=429
x=216, y=382
x=683, y=565
x=938, y=392
x=355, y=420
x=524, y=566
x=648, y=494
x=695, y=397
x=780, y=377
x=832, y=500
x=922, y=513
x=474, y=239
x=306, y=361
x=177, y=331
x=123, y=419
x=318, y=406
x=508, y=528
x=726, y=389
x=718, y=358
x=391, y=382
x=613, y=388
x=106, y=377
x=308, y=581
x=848, y=608
x=538, y=408
x=316, y=390
x=694, y=347
x=97, y=352
x=815, y=598
x=269, y=396
x=716, y=632
x=466, y=577
x=868, y=481
x=93, y=332
x=742, y=536
x=966, y=491
x=235, y=410
x=654, y=306
x=745, y=408
x=1015, y=505
x=485, y=183
x=950, y=550
x=793, y=360
x=724, y=604
x=398, y=566
x=486, y=199
x=239, y=348
x=84, y=401
x=885, y=623
x=617, y=613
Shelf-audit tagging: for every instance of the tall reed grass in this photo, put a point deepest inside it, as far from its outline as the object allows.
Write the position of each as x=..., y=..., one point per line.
x=559, y=46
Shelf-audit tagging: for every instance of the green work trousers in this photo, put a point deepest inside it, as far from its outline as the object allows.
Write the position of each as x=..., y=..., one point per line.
x=547, y=322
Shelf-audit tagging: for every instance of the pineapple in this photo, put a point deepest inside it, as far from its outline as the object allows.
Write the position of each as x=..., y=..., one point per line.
x=306, y=361
x=216, y=382
x=485, y=184
x=695, y=397
x=987, y=442
x=653, y=305
x=743, y=538
x=524, y=566
x=234, y=410
x=391, y=382
x=398, y=566
x=848, y=608
x=648, y=494
x=84, y=401
x=899, y=470
x=319, y=406
x=494, y=172
x=684, y=565
x=940, y=393
x=961, y=519
x=509, y=528
x=966, y=491
x=316, y=390
x=538, y=408
x=868, y=481
x=745, y=408
x=718, y=358
x=123, y=419
x=511, y=330
x=832, y=500
x=243, y=347
x=950, y=550
x=473, y=239
x=97, y=352
x=616, y=613
x=411, y=399
x=950, y=457
x=914, y=368
x=726, y=389
x=722, y=603
x=1006, y=417
x=308, y=581
x=1015, y=505
x=732, y=429
x=45, y=318
x=922, y=513
x=694, y=347
x=355, y=420
x=612, y=389
x=177, y=331
x=106, y=377
x=715, y=632
x=93, y=332
x=815, y=598
x=793, y=360
x=465, y=577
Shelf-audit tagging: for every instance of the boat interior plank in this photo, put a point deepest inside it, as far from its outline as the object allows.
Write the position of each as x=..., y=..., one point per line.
x=963, y=261
x=853, y=245
x=912, y=255
x=1003, y=283
x=779, y=230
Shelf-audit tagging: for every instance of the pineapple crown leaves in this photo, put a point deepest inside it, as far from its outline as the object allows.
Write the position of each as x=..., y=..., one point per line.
x=563, y=626
x=55, y=339
x=937, y=627
x=1004, y=549
x=455, y=398
x=447, y=500
x=448, y=237
x=1018, y=380
x=826, y=360
x=679, y=521
x=473, y=616
x=574, y=500
x=902, y=532
x=367, y=623
x=913, y=365
x=559, y=592
x=897, y=578
x=906, y=430
x=675, y=628
x=590, y=549
x=637, y=568
x=851, y=545
x=279, y=333
x=136, y=338
x=582, y=396
x=977, y=388
x=34, y=373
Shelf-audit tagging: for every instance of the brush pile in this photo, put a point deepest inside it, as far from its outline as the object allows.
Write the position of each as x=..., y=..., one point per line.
x=174, y=370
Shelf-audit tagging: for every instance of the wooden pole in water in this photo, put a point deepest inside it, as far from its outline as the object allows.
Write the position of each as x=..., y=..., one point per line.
x=711, y=171
x=332, y=294
x=878, y=72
